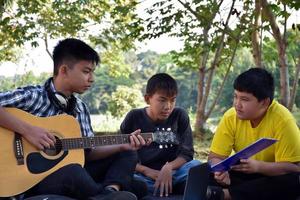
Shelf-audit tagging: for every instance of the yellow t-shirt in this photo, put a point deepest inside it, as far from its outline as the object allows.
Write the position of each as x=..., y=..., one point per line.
x=235, y=134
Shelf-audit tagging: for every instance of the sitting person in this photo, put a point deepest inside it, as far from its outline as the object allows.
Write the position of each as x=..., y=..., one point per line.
x=272, y=173
x=108, y=169
x=163, y=169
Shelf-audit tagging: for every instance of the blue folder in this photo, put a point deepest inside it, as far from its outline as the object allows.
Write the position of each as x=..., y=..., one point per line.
x=245, y=153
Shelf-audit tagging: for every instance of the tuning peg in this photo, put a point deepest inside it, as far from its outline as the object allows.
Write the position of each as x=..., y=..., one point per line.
x=171, y=145
x=160, y=146
x=166, y=146
x=169, y=129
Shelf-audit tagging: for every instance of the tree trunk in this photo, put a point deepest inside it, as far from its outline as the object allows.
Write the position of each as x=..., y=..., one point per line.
x=198, y=127
x=223, y=81
x=295, y=86
x=204, y=85
x=281, y=48
x=255, y=35
x=199, y=123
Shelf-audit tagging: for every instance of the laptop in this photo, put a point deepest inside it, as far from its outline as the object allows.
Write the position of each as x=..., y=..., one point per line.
x=197, y=182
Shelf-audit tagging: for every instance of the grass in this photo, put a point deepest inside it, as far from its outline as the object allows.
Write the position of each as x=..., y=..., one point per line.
x=201, y=147
x=105, y=123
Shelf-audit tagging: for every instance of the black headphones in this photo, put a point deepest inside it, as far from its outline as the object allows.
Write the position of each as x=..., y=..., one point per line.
x=60, y=100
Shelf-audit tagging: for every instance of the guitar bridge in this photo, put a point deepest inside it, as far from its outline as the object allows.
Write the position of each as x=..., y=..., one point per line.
x=18, y=147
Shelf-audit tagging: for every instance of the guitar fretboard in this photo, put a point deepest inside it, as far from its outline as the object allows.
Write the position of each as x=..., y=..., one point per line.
x=90, y=142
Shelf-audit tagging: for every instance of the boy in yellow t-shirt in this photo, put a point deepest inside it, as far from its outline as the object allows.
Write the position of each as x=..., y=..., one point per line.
x=272, y=173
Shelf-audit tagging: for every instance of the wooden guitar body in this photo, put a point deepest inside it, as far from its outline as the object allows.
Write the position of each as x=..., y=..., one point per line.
x=16, y=178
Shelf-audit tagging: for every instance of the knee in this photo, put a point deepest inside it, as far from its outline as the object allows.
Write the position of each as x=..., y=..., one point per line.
x=76, y=172
x=72, y=169
x=190, y=164
x=78, y=178
x=195, y=162
x=130, y=155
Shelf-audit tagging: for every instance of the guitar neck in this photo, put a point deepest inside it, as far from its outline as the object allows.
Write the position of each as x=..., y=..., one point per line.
x=91, y=142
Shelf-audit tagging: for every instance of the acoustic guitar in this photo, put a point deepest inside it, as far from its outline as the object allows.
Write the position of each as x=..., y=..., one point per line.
x=22, y=165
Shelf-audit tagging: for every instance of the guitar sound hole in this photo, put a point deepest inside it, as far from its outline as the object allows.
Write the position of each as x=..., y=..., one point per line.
x=53, y=151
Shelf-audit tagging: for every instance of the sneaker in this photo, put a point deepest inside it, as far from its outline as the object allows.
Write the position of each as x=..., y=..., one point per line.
x=109, y=189
x=214, y=193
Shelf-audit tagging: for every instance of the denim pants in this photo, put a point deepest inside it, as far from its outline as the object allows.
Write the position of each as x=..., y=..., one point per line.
x=80, y=183
x=179, y=176
x=260, y=187
x=116, y=169
x=121, y=195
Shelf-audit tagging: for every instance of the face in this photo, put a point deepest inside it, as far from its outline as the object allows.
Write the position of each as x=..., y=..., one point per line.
x=160, y=105
x=248, y=107
x=80, y=77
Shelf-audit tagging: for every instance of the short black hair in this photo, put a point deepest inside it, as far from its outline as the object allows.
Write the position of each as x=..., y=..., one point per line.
x=73, y=50
x=256, y=81
x=161, y=81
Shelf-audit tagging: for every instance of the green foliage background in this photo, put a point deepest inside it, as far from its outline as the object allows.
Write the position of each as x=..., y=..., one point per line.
x=113, y=26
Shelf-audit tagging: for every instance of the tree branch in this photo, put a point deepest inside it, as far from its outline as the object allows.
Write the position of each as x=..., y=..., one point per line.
x=46, y=45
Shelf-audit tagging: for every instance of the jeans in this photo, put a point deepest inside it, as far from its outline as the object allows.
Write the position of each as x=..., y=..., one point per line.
x=116, y=169
x=179, y=176
x=71, y=180
x=81, y=183
x=122, y=195
x=261, y=187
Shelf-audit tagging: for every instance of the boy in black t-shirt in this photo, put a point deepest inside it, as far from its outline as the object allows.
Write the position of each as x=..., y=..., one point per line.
x=163, y=169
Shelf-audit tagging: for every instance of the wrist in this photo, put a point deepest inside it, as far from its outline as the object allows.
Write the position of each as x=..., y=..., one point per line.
x=25, y=128
x=143, y=170
x=122, y=148
x=168, y=165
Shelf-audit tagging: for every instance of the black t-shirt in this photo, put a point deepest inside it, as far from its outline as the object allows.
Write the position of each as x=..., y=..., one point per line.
x=152, y=156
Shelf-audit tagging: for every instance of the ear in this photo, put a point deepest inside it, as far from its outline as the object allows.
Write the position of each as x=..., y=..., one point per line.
x=266, y=102
x=63, y=69
x=146, y=98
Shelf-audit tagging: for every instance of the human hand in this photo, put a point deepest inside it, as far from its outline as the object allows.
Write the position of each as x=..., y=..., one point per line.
x=39, y=137
x=151, y=173
x=248, y=166
x=164, y=181
x=222, y=178
x=136, y=141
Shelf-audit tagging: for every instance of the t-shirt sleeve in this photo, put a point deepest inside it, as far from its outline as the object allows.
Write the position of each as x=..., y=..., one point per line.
x=223, y=139
x=288, y=146
x=186, y=149
x=126, y=125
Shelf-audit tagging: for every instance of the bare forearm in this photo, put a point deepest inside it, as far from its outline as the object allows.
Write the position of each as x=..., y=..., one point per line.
x=12, y=123
x=177, y=163
x=141, y=168
x=277, y=168
x=215, y=158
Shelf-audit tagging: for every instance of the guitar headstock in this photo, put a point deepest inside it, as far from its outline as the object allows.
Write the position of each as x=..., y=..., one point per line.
x=164, y=138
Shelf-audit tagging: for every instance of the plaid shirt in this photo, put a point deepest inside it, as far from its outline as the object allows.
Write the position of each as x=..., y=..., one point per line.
x=35, y=100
